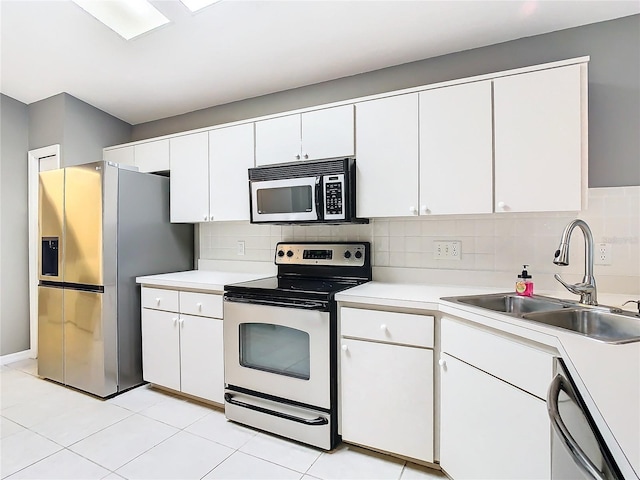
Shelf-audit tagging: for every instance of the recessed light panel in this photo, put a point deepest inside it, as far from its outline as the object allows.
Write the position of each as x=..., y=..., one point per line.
x=195, y=5
x=128, y=18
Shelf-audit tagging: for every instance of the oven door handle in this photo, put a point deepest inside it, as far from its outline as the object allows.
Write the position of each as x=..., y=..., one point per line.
x=311, y=422
x=307, y=305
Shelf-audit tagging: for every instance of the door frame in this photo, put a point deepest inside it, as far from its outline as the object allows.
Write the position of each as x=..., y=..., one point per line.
x=34, y=157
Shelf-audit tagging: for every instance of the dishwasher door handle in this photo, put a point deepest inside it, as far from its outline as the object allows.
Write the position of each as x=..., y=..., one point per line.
x=579, y=457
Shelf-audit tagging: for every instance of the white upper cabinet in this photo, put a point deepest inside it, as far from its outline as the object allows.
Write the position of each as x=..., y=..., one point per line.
x=314, y=135
x=456, y=150
x=148, y=157
x=231, y=154
x=387, y=157
x=189, y=179
x=328, y=133
x=152, y=156
x=540, y=140
x=122, y=155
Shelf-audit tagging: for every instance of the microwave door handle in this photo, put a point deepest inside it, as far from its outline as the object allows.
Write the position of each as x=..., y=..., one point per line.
x=579, y=457
x=319, y=204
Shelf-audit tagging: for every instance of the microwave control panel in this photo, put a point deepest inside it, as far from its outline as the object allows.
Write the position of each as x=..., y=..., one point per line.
x=334, y=197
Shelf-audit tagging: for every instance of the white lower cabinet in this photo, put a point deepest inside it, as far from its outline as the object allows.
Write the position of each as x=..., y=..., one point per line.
x=180, y=350
x=386, y=389
x=490, y=428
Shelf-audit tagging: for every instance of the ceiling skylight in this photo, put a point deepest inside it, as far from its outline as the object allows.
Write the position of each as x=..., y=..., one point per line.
x=195, y=5
x=128, y=18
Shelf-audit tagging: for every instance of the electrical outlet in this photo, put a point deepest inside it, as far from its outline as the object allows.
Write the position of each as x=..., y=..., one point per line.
x=240, y=247
x=447, y=250
x=602, y=254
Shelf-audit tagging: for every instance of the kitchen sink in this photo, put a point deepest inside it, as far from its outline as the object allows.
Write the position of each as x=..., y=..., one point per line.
x=595, y=323
x=511, y=303
x=600, y=323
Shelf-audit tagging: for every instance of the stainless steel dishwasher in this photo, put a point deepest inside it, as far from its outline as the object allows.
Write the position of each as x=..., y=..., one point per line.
x=577, y=448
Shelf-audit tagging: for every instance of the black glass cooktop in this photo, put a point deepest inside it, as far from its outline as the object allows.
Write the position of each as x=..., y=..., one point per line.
x=293, y=287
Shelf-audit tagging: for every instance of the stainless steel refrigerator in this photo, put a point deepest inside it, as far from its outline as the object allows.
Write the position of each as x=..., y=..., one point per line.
x=100, y=226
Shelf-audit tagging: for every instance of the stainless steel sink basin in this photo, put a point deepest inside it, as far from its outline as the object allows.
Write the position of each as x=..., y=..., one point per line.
x=599, y=323
x=511, y=303
x=602, y=325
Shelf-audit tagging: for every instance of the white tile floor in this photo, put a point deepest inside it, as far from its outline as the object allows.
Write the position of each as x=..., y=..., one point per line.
x=52, y=432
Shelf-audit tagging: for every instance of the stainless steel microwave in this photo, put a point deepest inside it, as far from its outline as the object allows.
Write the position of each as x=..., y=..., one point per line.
x=304, y=192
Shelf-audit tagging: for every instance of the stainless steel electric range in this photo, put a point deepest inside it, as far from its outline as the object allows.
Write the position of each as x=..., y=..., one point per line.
x=281, y=341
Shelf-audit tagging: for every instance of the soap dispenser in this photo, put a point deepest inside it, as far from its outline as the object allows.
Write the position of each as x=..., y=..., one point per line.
x=524, y=285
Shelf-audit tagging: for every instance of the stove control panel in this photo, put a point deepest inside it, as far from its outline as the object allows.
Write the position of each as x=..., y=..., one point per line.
x=337, y=254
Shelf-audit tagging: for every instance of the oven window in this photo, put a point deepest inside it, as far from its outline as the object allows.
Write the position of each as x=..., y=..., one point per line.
x=285, y=199
x=274, y=348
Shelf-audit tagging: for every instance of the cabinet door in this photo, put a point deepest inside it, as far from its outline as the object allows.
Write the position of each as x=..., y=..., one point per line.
x=328, y=133
x=189, y=178
x=490, y=429
x=539, y=146
x=387, y=397
x=278, y=140
x=456, y=150
x=231, y=154
x=202, y=357
x=152, y=156
x=161, y=348
x=387, y=157
x=122, y=155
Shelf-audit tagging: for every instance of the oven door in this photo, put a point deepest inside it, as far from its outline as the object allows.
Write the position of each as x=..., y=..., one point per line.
x=279, y=349
x=287, y=200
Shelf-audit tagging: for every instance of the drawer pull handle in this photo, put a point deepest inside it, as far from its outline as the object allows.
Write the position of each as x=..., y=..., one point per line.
x=199, y=305
x=157, y=300
x=383, y=327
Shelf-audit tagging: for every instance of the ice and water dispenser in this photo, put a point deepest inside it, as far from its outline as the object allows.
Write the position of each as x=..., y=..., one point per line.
x=50, y=252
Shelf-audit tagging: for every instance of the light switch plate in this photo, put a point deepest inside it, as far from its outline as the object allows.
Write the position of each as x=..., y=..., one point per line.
x=240, y=247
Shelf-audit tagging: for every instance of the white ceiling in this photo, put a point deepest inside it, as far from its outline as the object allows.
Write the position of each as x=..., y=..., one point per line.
x=237, y=49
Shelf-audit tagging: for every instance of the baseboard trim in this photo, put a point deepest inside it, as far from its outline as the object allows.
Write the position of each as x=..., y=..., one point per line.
x=15, y=357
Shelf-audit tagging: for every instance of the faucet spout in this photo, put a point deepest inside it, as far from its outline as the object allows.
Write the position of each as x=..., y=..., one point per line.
x=587, y=288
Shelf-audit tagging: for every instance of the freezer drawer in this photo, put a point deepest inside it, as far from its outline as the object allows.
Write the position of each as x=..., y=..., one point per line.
x=50, y=333
x=90, y=346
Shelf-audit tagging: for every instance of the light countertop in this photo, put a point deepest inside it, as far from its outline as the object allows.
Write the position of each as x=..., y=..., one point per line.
x=607, y=376
x=203, y=280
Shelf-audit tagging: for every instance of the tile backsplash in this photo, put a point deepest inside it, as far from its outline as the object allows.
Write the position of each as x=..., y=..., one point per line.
x=493, y=247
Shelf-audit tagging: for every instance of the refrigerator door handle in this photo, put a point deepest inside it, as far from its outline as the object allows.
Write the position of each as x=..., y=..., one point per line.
x=579, y=457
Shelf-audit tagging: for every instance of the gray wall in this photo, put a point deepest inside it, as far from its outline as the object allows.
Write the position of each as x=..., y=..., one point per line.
x=87, y=130
x=14, y=229
x=81, y=129
x=614, y=90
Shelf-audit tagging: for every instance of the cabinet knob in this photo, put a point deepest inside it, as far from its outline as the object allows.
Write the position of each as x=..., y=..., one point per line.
x=345, y=348
x=413, y=210
x=442, y=362
x=199, y=305
x=181, y=322
x=306, y=156
x=157, y=300
x=383, y=327
x=502, y=205
x=297, y=156
x=424, y=209
x=206, y=217
x=175, y=321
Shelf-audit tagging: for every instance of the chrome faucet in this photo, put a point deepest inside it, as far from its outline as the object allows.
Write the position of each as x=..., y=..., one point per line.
x=587, y=288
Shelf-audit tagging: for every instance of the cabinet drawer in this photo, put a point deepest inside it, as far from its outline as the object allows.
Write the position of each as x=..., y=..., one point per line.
x=521, y=365
x=202, y=304
x=392, y=327
x=160, y=299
